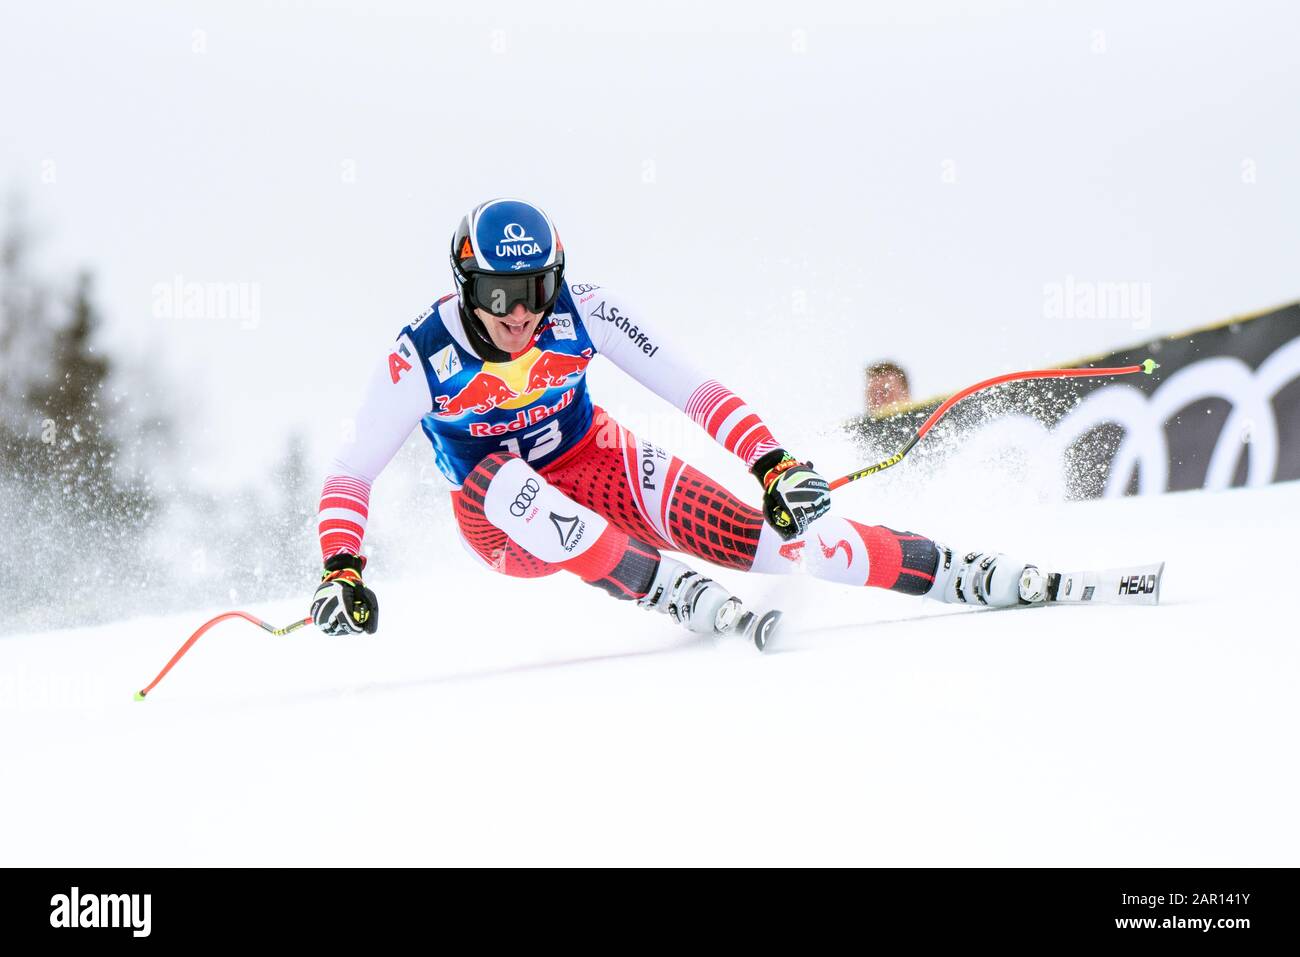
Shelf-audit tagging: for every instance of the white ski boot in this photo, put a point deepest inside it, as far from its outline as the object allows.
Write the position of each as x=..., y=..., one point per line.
x=704, y=606
x=690, y=599
x=987, y=578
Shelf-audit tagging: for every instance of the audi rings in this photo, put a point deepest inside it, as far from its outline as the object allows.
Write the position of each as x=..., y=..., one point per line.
x=524, y=497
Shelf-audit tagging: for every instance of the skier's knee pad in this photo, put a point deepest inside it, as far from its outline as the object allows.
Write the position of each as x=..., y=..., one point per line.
x=536, y=516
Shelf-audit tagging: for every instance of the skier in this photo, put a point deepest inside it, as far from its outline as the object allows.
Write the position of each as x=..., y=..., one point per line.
x=543, y=480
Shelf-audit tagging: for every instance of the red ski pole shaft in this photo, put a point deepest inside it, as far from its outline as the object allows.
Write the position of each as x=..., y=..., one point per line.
x=1148, y=366
x=140, y=695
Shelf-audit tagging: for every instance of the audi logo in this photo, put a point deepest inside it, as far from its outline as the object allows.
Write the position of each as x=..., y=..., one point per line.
x=1251, y=426
x=524, y=498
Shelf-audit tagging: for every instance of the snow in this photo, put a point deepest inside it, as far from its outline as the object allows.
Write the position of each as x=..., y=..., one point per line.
x=495, y=721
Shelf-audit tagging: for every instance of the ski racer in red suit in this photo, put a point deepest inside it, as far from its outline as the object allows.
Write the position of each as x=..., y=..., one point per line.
x=544, y=481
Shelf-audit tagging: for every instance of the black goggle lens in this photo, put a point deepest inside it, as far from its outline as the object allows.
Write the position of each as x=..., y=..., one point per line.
x=499, y=293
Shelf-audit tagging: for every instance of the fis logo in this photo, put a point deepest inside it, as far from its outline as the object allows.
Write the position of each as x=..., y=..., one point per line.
x=102, y=910
x=1137, y=585
x=445, y=363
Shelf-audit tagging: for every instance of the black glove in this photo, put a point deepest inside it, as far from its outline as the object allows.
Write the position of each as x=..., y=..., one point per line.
x=794, y=496
x=343, y=605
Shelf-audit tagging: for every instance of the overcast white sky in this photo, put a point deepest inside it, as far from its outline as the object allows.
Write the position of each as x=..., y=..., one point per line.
x=802, y=188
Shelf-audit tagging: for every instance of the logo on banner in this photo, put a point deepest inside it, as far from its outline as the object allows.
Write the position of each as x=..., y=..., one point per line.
x=1251, y=425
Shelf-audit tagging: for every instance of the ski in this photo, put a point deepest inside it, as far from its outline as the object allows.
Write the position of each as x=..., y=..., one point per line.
x=756, y=626
x=1127, y=585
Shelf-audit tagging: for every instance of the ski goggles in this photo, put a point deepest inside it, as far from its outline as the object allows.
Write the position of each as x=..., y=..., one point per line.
x=498, y=293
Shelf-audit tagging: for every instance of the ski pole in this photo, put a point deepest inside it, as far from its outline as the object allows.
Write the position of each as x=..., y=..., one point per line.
x=1147, y=366
x=139, y=695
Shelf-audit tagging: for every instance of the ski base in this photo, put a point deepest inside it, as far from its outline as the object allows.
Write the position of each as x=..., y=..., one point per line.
x=1128, y=585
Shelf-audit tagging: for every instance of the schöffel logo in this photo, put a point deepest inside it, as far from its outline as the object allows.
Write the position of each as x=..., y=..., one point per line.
x=102, y=910
x=639, y=338
x=570, y=528
x=515, y=241
x=524, y=497
x=1137, y=585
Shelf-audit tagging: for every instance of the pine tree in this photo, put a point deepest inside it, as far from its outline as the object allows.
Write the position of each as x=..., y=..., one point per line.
x=77, y=524
x=79, y=450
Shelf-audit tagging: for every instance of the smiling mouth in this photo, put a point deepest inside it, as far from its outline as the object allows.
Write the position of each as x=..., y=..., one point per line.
x=514, y=328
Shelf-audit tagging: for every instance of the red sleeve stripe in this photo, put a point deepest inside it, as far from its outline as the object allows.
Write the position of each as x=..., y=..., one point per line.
x=342, y=525
x=726, y=417
x=344, y=486
x=749, y=422
x=756, y=446
x=705, y=398
x=357, y=503
x=350, y=504
x=718, y=417
x=337, y=543
x=342, y=515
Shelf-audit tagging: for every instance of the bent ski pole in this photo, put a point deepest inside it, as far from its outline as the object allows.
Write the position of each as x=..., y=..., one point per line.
x=1148, y=366
x=139, y=695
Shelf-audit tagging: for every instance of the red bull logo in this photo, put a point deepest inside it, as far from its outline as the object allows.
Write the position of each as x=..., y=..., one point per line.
x=552, y=369
x=514, y=385
x=523, y=418
x=481, y=394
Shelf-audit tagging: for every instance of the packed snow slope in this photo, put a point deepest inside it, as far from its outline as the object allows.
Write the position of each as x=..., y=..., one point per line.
x=538, y=722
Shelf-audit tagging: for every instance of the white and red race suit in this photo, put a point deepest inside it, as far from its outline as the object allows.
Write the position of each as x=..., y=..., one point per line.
x=543, y=480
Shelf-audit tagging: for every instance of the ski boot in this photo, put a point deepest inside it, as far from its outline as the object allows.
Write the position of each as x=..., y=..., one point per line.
x=987, y=578
x=704, y=606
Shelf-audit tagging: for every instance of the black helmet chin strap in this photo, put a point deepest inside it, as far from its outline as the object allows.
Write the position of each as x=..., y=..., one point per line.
x=478, y=336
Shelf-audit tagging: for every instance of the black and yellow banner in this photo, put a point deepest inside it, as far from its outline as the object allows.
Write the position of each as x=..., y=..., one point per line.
x=1222, y=411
